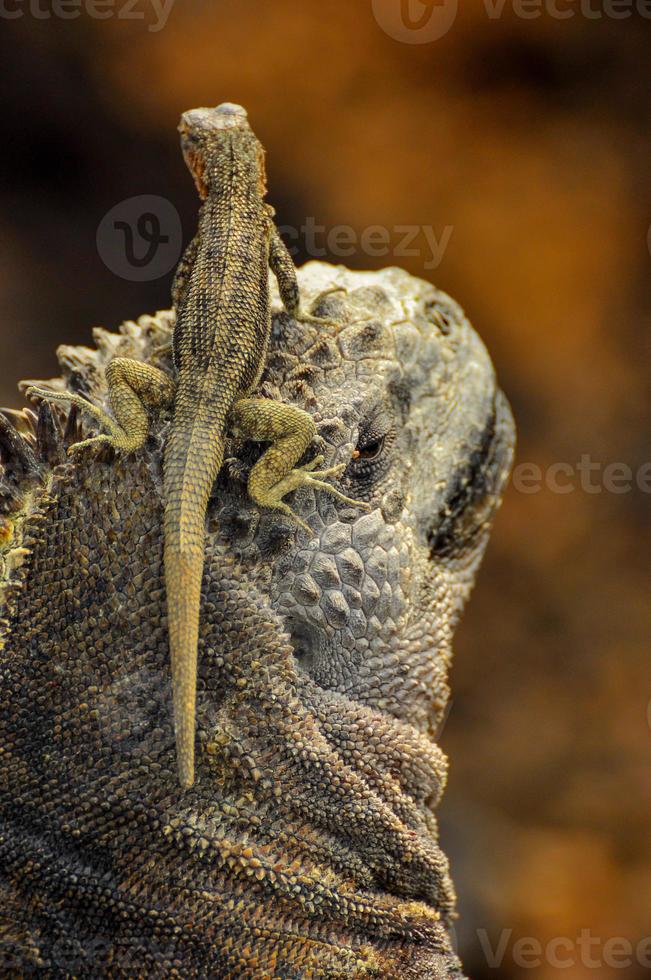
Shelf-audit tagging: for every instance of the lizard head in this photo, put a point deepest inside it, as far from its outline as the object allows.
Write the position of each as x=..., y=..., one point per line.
x=208, y=137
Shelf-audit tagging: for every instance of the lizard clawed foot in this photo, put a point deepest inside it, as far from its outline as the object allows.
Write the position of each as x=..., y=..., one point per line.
x=102, y=439
x=319, y=320
x=236, y=469
x=306, y=317
x=307, y=476
x=115, y=437
x=93, y=440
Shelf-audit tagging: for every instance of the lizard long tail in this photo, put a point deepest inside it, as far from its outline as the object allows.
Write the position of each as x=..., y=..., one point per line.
x=193, y=458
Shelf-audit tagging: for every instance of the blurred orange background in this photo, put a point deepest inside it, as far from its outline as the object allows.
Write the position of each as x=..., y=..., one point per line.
x=522, y=144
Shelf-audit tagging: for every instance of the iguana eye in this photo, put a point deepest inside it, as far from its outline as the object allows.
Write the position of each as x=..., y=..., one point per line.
x=370, y=449
x=374, y=453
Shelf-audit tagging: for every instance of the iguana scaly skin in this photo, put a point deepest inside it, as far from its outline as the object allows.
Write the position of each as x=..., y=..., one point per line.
x=221, y=334
x=307, y=846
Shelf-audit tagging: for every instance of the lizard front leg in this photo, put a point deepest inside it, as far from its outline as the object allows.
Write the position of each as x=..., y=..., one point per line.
x=282, y=266
x=290, y=430
x=134, y=388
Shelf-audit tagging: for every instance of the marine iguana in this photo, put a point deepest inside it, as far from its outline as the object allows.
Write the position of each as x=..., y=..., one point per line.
x=307, y=846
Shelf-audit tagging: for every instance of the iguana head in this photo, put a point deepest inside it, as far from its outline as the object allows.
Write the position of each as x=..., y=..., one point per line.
x=307, y=846
x=403, y=381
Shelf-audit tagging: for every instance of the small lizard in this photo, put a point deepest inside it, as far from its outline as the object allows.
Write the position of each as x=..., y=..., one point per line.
x=221, y=296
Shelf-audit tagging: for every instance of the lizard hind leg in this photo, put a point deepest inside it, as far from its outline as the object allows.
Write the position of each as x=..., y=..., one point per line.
x=290, y=430
x=134, y=388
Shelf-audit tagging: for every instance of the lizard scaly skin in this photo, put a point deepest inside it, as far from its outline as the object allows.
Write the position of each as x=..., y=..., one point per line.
x=221, y=296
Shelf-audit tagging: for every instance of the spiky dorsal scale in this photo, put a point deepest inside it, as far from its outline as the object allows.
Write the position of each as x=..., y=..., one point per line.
x=33, y=445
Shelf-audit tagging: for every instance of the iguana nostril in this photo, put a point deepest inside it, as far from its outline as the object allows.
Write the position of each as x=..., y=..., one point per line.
x=305, y=642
